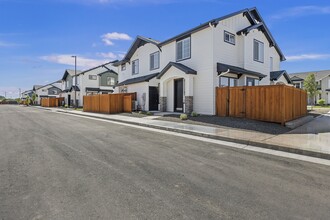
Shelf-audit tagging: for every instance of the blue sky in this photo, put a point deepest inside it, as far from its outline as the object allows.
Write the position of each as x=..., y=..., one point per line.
x=38, y=37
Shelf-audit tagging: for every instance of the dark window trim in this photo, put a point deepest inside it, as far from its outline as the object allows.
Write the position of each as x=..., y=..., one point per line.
x=249, y=78
x=224, y=37
x=176, y=47
x=123, y=67
x=90, y=77
x=253, y=51
x=158, y=60
x=138, y=66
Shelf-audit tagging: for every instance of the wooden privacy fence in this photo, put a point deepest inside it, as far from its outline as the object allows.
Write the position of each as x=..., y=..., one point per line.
x=51, y=102
x=109, y=103
x=275, y=103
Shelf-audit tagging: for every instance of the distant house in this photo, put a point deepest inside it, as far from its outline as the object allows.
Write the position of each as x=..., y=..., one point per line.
x=322, y=79
x=98, y=80
x=26, y=94
x=50, y=90
x=180, y=74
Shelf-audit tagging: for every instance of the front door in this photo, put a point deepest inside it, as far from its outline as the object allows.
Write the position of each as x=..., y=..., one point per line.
x=153, y=98
x=69, y=100
x=178, y=95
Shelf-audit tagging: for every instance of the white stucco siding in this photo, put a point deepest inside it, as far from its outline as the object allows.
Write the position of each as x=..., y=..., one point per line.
x=143, y=55
x=225, y=52
x=142, y=90
x=201, y=60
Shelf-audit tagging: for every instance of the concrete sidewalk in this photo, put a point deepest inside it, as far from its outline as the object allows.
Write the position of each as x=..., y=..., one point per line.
x=311, y=139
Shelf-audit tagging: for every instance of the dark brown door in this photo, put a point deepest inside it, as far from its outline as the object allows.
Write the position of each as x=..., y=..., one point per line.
x=178, y=95
x=153, y=98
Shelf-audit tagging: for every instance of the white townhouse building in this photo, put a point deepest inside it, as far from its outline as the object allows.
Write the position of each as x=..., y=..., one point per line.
x=98, y=80
x=180, y=74
x=322, y=79
x=50, y=90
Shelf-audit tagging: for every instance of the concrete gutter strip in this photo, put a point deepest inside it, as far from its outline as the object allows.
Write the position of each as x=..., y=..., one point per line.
x=299, y=122
x=216, y=137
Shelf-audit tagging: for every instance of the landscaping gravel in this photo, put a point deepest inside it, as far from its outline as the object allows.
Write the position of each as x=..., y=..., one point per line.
x=239, y=123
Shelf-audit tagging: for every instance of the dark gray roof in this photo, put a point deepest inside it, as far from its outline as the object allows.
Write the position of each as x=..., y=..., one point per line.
x=107, y=71
x=207, y=24
x=70, y=72
x=319, y=75
x=221, y=68
x=275, y=75
x=180, y=66
x=138, y=42
x=35, y=87
x=93, y=89
x=102, y=65
x=76, y=88
x=138, y=79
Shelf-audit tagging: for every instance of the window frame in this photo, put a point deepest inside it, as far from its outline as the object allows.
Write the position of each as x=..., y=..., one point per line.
x=133, y=68
x=254, y=81
x=182, y=40
x=111, y=78
x=158, y=61
x=123, y=67
x=91, y=77
x=231, y=82
x=263, y=52
x=230, y=34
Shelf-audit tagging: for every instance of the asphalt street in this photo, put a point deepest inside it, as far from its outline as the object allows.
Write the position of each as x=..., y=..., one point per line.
x=57, y=166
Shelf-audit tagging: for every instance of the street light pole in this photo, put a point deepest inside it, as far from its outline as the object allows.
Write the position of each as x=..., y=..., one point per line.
x=75, y=81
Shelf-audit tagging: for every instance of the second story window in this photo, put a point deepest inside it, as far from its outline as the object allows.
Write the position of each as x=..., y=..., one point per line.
x=154, y=61
x=92, y=77
x=110, y=81
x=229, y=38
x=183, y=49
x=135, y=67
x=258, y=51
x=123, y=67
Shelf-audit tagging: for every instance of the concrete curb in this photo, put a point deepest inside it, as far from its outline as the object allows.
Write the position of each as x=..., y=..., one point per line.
x=238, y=141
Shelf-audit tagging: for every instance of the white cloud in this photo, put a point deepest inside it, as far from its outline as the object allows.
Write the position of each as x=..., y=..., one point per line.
x=82, y=62
x=110, y=37
x=302, y=11
x=109, y=55
x=302, y=57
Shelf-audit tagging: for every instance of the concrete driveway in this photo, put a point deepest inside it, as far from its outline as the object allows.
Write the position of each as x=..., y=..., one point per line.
x=314, y=136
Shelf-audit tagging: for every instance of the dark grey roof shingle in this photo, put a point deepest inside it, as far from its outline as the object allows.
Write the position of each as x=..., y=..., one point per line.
x=275, y=75
x=180, y=66
x=138, y=79
x=318, y=75
x=237, y=70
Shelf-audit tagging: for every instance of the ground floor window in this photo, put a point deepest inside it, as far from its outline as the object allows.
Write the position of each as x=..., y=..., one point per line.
x=226, y=81
x=252, y=81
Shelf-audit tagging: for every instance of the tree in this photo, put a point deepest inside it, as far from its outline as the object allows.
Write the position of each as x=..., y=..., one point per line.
x=310, y=86
x=34, y=98
x=27, y=100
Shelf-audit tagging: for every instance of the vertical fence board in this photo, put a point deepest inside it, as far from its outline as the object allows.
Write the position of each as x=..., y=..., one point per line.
x=276, y=103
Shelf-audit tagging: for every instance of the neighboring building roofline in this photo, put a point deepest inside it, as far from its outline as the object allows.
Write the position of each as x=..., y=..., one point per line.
x=102, y=65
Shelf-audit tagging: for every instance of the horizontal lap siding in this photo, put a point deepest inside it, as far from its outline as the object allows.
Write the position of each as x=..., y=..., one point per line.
x=276, y=103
